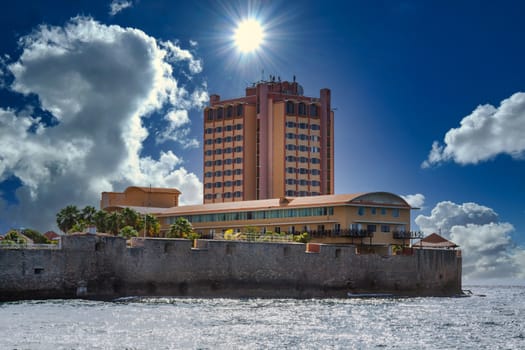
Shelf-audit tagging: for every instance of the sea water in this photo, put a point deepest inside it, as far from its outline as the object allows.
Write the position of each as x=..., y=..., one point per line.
x=492, y=318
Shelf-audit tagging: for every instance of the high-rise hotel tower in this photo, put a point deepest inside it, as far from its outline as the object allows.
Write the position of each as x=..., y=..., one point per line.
x=273, y=142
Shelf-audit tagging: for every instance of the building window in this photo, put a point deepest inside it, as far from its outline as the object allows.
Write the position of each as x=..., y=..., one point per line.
x=228, y=150
x=291, y=170
x=217, y=185
x=238, y=138
x=277, y=229
x=313, y=110
x=237, y=171
x=290, y=159
x=303, y=126
x=227, y=172
x=208, y=163
x=208, y=196
x=239, y=110
x=228, y=139
x=238, y=126
x=316, y=161
x=303, y=182
x=228, y=128
x=290, y=181
x=208, y=131
x=208, y=152
x=218, y=151
x=315, y=127
x=238, y=182
x=385, y=228
x=290, y=136
x=208, y=185
x=238, y=160
x=238, y=149
x=302, y=109
x=217, y=162
x=237, y=194
x=229, y=111
x=210, y=114
x=290, y=107
x=290, y=124
x=356, y=227
x=316, y=183
x=218, y=129
x=303, y=171
x=383, y=211
x=360, y=211
x=227, y=195
x=290, y=147
x=228, y=161
x=316, y=172
x=219, y=113
x=373, y=211
x=290, y=193
x=217, y=173
x=208, y=174
x=395, y=212
x=371, y=228
x=218, y=140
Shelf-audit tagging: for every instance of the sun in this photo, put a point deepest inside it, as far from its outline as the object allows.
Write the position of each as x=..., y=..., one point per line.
x=249, y=35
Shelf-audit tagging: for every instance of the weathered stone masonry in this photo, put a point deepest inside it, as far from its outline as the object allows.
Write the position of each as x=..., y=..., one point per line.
x=103, y=267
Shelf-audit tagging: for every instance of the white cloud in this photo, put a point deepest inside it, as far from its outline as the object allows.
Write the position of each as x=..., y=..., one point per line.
x=415, y=200
x=485, y=133
x=99, y=82
x=118, y=5
x=488, y=249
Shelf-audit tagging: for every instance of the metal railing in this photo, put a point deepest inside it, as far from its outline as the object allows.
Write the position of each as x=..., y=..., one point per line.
x=407, y=234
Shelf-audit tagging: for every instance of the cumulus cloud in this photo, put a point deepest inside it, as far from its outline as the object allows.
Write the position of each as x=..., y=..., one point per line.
x=99, y=82
x=485, y=133
x=488, y=249
x=118, y=5
x=415, y=200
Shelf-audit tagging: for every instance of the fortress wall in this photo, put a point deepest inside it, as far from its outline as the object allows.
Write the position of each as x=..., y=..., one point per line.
x=103, y=267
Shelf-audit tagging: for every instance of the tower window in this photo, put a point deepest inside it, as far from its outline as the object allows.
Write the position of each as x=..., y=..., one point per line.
x=290, y=107
x=302, y=109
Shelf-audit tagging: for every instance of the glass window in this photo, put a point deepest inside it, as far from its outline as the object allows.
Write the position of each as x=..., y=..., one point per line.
x=229, y=111
x=208, y=152
x=360, y=211
x=238, y=137
x=316, y=161
x=239, y=110
x=210, y=114
x=228, y=128
x=227, y=172
x=238, y=126
x=290, y=159
x=290, y=107
x=219, y=113
x=290, y=124
x=313, y=110
x=218, y=129
x=371, y=228
x=208, y=174
x=395, y=212
x=218, y=173
x=228, y=161
x=315, y=127
x=302, y=109
x=373, y=211
x=208, y=163
x=383, y=211
x=385, y=228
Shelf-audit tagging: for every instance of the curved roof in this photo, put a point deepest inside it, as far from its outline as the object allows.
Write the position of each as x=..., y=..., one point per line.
x=358, y=199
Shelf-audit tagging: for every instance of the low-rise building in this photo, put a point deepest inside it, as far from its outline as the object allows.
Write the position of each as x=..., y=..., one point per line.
x=378, y=219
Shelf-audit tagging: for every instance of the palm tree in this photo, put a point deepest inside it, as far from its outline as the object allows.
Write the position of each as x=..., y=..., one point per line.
x=114, y=223
x=88, y=215
x=100, y=219
x=180, y=229
x=152, y=225
x=131, y=218
x=67, y=218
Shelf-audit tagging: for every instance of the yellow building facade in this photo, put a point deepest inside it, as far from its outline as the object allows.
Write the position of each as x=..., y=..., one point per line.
x=373, y=219
x=135, y=196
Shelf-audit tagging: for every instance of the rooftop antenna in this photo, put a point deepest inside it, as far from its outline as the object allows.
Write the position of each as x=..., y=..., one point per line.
x=294, y=78
x=262, y=75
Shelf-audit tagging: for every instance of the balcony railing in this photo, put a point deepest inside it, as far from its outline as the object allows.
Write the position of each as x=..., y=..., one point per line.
x=407, y=234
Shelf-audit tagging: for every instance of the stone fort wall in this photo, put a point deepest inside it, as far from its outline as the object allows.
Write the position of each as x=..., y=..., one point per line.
x=104, y=267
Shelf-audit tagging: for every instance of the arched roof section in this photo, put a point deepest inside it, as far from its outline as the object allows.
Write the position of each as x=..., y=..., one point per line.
x=380, y=198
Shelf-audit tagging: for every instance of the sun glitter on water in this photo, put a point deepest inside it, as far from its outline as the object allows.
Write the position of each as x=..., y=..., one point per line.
x=249, y=35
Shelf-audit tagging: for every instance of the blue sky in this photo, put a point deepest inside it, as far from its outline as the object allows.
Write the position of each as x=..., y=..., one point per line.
x=99, y=95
